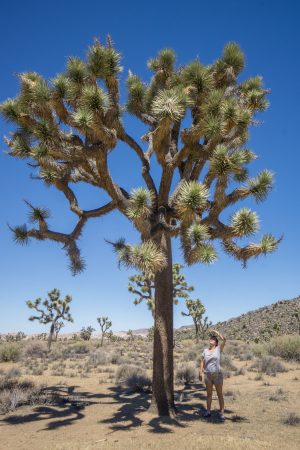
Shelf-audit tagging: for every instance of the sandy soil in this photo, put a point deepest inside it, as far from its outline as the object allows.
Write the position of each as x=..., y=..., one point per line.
x=94, y=415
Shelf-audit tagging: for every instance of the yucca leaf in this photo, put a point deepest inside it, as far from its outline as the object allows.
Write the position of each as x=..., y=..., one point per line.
x=244, y=222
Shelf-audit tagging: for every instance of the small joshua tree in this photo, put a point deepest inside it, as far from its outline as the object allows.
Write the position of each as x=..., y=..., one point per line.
x=196, y=310
x=51, y=311
x=105, y=325
x=20, y=336
x=86, y=333
x=58, y=326
x=143, y=286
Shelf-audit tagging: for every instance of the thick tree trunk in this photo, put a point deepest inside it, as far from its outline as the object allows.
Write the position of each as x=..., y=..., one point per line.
x=196, y=331
x=51, y=334
x=162, y=402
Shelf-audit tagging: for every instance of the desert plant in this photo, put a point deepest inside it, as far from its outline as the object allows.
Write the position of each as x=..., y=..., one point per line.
x=105, y=325
x=58, y=326
x=143, y=287
x=292, y=419
x=51, y=311
x=132, y=376
x=20, y=336
x=86, y=333
x=196, y=310
x=9, y=352
x=186, y=374
x=287, y=347
x=70, y=126
x=35, y=349
x=268, y=365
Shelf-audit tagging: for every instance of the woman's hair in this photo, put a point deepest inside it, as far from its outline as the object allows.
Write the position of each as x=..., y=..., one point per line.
x=214, y=338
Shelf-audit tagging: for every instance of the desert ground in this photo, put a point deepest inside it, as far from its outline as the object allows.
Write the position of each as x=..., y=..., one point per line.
x=82, y=396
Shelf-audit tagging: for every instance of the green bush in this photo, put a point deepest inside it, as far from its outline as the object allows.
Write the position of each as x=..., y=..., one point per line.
x=286, y=347
x=9, y=352
x=186, y=374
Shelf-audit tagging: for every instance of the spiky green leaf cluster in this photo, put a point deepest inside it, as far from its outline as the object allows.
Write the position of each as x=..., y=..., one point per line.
x=20, y=235
x=261, y=185
x=192, y=198
x=225, y=162
x=244, y=222
x=146, y=257
x=197, y=233
x=164, y=61
x=103, y=62
x=170, y=104
x=141, y=202
x=136, y=94
x=204, y=253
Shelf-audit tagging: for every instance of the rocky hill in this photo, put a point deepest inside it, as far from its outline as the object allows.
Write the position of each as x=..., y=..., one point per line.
x=263, y=323
x=258, y=325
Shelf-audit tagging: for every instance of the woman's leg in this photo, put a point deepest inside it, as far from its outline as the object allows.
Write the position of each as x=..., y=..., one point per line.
x=209, y=389
x=219, y=389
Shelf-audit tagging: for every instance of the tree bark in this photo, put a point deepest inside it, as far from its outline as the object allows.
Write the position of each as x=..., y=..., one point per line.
x=51, y=334
x=162, y=402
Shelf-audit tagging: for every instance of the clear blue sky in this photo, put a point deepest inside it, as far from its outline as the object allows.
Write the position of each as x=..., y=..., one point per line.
x=38, y=36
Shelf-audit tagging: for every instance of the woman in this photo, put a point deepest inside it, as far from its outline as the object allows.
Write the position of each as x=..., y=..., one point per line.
x=210, y=365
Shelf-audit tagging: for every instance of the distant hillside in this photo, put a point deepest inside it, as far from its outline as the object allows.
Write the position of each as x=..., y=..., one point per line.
x=275, y=319
x=263, y=323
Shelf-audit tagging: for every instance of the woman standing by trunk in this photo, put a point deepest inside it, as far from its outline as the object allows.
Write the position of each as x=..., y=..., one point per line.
x=211, y=366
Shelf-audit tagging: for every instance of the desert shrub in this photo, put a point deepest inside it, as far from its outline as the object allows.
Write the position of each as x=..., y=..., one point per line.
x=186, y=374
x=292, y=419
x=35, y=349
x=98, y=357
x=116, y=358
x=258, y=350
x=191, y=355
x=246, y=356
x=226, y=362
x=132, y=376
x=268, y=365
x=14, y=393
x=78, y=348
x=9, y=352
x=278, y=396
x=287, y=347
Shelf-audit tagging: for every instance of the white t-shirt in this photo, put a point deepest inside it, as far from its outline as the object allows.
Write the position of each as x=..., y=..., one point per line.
x=212, y=360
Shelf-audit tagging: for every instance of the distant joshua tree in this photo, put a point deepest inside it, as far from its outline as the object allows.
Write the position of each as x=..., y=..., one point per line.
x=196, y=310
x=51, y=311
x=86, y=333
x=143, y=286
x=58, y=326
x=105, y=325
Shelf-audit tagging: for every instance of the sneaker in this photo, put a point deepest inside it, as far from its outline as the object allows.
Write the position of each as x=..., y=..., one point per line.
x=221, y=417
x=207, y=414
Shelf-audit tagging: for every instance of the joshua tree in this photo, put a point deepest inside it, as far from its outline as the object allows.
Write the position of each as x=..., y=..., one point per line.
x=58, y=327
x=20, y=336
x=51, y=311
x=86, y=333
x=197, y=119
x=105, y=325
x=143, y=286
x=196, y=310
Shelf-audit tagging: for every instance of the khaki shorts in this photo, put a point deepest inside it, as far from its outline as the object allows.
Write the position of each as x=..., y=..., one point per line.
x=213, y=378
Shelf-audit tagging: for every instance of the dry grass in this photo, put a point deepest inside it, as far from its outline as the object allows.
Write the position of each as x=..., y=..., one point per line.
x=101, y=398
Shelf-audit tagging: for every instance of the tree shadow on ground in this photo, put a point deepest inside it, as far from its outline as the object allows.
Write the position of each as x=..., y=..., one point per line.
x=62, y=403
x=190, y=404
